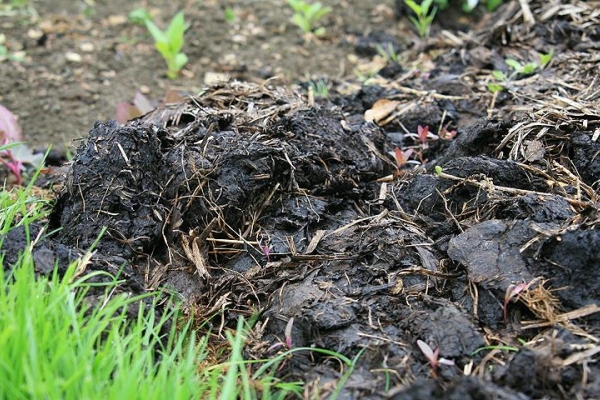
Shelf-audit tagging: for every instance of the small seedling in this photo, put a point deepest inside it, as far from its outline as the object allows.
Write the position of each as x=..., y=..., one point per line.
x=520, y=69
x=424, y=16
x=402, y=156
x=168, y=43
x=306, y=15
x=501, y=78
x=229, y=15
x=319, y=88
x=433, y=356
x=388, y=52
x=512, y=293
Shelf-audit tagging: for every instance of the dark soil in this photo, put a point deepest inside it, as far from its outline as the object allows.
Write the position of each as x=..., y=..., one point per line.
x=253, y=199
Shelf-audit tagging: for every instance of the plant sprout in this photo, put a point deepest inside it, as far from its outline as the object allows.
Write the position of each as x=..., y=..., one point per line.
x=424, y=16
x=513, y=292
x=433, y=356
x=306, y=15
x=402, y=156
x=168, y=43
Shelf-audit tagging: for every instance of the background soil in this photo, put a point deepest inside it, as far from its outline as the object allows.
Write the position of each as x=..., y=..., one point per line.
x=58, y=100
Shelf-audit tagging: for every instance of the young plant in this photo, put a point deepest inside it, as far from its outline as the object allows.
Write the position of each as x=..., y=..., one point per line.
x=513, y=292
x=319, y=88
x=168, y=43
x=402, y=156
x=521, y=69
x=388, y=52
x=501, y=78
x=433, y=356
x=423, y=132
x=229, y=15
x=306, y=15
x=424, y=16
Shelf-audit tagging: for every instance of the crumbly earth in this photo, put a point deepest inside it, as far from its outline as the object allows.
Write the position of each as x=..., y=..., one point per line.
x=253, y=199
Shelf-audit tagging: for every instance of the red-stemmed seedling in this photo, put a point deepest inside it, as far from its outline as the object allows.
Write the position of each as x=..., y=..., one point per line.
x=513, y=292
x=423, y=133
x=433, y=356
x=402, y=156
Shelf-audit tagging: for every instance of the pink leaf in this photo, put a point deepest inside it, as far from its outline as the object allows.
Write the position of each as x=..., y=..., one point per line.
x=266, y=251
x=10, y=130
x=125, y=111
x=445, y=361
x=513, y=291
x=142, y=103
x=427, y=351
x=288, y=333
x=402, y=156
x=173, y=96
x=423, y=132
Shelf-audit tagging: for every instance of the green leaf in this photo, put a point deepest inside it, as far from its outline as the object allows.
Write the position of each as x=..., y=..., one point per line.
x=180, y=60
x=514, y=64
x=156, y=32
x=495, y=87
x=416, y=23
x=165, y=50
x=414, y=6
x=546, y=58
x=301, y=22
x=322, y=12
x=493, y=4
x=139, y=16
x=319, y=31
x=425, y=5
x=311, y=11
x=501, y=76
x=529, y=68
x=175, y=32
x=295, y=4
x=431, y=16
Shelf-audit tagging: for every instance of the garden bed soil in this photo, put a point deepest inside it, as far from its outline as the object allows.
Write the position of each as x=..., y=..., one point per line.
x=253, y=199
